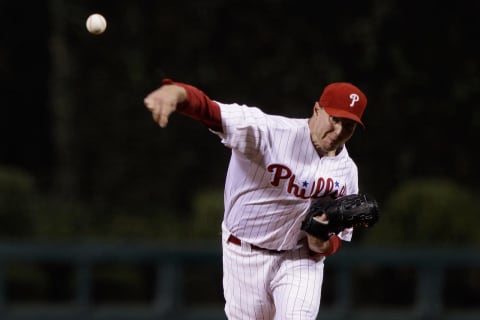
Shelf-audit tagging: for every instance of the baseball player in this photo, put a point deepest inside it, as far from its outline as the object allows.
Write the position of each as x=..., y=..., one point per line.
x=278, y=165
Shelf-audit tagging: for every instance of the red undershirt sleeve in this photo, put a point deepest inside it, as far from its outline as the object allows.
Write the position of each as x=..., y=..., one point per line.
x=199, y=106
x=335, y=244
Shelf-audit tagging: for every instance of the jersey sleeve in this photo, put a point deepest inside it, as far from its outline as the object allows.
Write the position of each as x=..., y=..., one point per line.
x=199, y=106
x=246, y=129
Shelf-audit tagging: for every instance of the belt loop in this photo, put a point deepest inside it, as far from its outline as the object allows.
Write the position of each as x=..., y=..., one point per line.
x=246, y=246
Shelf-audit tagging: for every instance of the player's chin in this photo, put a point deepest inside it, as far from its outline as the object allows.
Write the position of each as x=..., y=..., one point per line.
x=332, y=146
x=328, y=146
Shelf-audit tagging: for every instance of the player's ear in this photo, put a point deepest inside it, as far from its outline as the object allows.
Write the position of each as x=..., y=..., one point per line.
x=316, y=108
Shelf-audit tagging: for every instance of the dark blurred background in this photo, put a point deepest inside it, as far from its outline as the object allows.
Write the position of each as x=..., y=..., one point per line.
x=82, y=160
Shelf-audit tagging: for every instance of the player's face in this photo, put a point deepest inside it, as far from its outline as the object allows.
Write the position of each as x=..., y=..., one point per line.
x=329, y=133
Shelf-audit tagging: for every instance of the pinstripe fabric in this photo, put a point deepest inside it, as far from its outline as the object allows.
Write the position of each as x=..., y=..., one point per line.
x=257, y=210
x=270, y=286
x=273, y=173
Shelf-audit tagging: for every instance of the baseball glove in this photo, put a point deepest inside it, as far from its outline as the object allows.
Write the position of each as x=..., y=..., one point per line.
x=355, y=210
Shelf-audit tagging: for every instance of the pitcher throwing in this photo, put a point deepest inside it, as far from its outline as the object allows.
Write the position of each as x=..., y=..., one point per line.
x=272, y=268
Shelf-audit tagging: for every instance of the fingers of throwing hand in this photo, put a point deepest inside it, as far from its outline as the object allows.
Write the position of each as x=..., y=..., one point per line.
x=160, y=118
x=160, y=110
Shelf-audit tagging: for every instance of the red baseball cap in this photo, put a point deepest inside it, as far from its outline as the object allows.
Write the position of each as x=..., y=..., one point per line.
x=344, y=100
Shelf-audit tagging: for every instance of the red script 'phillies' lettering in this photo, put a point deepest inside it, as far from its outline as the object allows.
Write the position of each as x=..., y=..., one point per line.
x=281, y=172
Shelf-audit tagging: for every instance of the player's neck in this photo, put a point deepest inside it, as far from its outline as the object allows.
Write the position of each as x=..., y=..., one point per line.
x=334, y=153
x=330, y=153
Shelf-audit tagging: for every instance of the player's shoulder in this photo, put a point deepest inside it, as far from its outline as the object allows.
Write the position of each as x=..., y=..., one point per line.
x=286, y=123
x=254, y=114
x=344, y=157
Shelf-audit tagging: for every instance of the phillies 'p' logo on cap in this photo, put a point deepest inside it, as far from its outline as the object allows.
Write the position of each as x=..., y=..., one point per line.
x=344, y=100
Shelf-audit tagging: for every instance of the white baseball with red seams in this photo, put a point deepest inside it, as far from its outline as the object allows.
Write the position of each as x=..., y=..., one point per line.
x=272, y=176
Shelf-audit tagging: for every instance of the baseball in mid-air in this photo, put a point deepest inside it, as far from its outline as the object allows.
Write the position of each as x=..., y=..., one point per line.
x=96, y=24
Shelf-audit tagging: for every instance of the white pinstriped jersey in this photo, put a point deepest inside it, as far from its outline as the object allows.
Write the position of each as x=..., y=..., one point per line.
x=273, y=173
